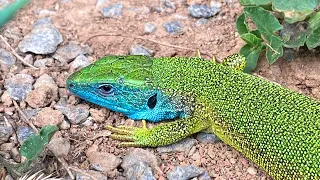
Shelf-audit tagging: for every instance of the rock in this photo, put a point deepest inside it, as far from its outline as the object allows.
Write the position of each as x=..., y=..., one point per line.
x=140, y=155
x=65, y=125
x=48, y=116
x=113, y=11
x=5, y=133
x=6, y=99
x=182, y=146
x=106, y=161
x=149, y=27
x=140, y=50
x=169, y=4
x=80, y=62
x=75, y=114
x=6, y=147
x=15, y=155
x=28, y=59
x=201, y=22
x=252, y=170
x=205, y=176
x=207, y=138
x=43, y=39
x=95, y=174
x=88, y=122
x=173, y=27
x=99, y=115
x=185, y=172
x=43, y=62
x=68, y=52
x=23, y=132
x=6, y=58
x=19, y=86
x=202, y=11
x=31, y=112
x=59, y=146
x=46, y=80
x=40, y=97
x=139, y=171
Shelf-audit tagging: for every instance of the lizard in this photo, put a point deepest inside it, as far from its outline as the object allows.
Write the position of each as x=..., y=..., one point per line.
x=276, y=128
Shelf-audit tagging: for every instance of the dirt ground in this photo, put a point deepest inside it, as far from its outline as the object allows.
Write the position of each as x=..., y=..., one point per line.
x=79, y=20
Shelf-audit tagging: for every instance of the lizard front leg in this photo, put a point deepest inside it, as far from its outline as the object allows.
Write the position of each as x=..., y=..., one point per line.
x=160, y=135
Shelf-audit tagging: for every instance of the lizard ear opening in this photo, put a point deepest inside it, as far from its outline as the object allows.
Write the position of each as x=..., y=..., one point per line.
x=152, y=101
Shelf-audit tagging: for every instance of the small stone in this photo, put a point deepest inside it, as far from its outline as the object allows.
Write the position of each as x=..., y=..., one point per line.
x=88, y=122
x=43, y=39
x=43, y=62
x=140, y=155
x=252, y=170
x=80, y=62
x=75, y=114
x=6, y=99
x=48, y=116
x=6, y=147
x=140, y=50
x=19, y=86
x=149, y=27
x=139, y=170
x=113, y=11
x=67, y=53
x=31, y=112
x=106, y=161
x=5, y=133
x=205, y=176
x=15, y=155
x=59, y=147
x=40, y=97
x=169, y=4
x=95, y=174
x=202, y=11
x=23, y=132
x=173, y=27
x=185, y=172
x=201, y=21
x=99, y=115
x=182, y=146
x=6, y=58
x=207, y=138
x=65, y=125
x=46, y=80
x=28, y=58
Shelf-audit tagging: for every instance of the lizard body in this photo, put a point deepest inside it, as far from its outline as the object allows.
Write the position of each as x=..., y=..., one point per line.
x=276, y=128
x=7, y=12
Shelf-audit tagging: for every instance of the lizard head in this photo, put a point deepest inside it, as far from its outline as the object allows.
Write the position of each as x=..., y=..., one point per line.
x=125, y=84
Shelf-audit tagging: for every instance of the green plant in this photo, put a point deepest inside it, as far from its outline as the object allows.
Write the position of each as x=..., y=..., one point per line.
x=279, y=24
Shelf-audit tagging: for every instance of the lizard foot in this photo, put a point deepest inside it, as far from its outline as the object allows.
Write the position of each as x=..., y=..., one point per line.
x=133, y=136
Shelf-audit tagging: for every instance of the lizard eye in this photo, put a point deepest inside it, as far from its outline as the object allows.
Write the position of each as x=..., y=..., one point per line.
x=106, y=89
x=152, y=101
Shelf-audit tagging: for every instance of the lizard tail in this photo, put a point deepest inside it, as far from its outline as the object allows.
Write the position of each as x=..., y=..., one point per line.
x=7, y=12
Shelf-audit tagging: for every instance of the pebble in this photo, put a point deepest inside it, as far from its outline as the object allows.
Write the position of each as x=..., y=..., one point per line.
x=99, y=115
x=6, y=58
x=182, y=146
x=5, y=133
x=106, y=161
x=149, y=27
x=15, y=155
x=59, y=146
x=113, y=11
x=202, y=11
x=6, y=99
x=65, y=125
x=185, y=172
x=29, y=59
x=95, y=174
x=23, y=132
x=40, y=97
x=19, y=86
x=46, y=80
x=43, y=62
x=43, y=39
x=201, y=21
x=139, y=170
x=207, y=138
x=140, y=155
x=31, y=112
x=75, y=114
x=140, y=50
x=252, y=170
x=173, y=27
x=6, y=147
x=69, y=52
x=169, y=4
x=48, y=116
x=80, y=62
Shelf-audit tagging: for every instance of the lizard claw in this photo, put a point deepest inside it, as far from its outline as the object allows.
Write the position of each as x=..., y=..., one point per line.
x=129, y=134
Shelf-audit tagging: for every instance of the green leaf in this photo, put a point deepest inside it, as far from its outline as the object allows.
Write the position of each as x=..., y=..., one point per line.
x=255, y=2
x=266, y=23
x=295, y=10
x=274, y=49
x=252, y=55
x=34, y=145
x=242, y=26
x=314, y=21
x=313, y=40
x=257, y=33
x=251, y=39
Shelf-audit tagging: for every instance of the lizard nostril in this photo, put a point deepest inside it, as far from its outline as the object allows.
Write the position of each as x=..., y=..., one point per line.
x=71, y=85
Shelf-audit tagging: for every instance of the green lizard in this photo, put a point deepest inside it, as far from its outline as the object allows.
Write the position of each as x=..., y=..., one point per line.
x=276, y=128
x=7, y=12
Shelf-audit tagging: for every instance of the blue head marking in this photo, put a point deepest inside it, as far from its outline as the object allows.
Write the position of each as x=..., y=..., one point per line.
x=124, y=84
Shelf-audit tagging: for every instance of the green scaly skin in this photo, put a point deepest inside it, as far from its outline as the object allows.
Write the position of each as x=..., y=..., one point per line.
x=276, y=128
x=7, y=13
